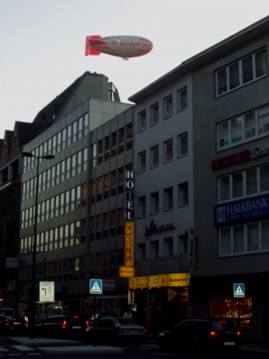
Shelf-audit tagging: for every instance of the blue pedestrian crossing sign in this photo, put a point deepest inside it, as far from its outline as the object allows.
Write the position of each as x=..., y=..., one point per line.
x=96, y=286
x=239, y=290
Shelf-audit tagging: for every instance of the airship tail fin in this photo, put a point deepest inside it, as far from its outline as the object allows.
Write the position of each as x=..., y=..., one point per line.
x=89, y=45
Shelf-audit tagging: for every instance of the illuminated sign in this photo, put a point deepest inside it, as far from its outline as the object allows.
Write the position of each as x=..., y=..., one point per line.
x=129, y=196
x=129, y=243
x=126, y=271
x=243, y=210
x=160, y=281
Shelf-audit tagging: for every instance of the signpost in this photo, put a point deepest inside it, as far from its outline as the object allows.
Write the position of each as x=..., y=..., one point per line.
x=46, y=291
x=239, y=291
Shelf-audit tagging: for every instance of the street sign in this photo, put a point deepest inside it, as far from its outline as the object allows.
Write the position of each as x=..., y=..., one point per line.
x=96, y=286
x=239, y=290
x=46, y=291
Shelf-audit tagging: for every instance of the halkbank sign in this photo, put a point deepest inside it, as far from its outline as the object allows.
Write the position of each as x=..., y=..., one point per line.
x=246, y=209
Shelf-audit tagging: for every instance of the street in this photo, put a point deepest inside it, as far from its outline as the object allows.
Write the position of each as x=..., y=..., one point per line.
x=25, y=347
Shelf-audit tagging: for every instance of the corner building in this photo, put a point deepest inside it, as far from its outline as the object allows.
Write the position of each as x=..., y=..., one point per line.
x=63, y=206
x=201, y=156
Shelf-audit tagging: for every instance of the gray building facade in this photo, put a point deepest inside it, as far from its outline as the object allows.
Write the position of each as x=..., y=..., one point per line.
x=226, y=168
x=63, y=208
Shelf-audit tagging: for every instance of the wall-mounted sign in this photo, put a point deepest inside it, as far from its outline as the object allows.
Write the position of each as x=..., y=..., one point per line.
x=153, y=228
x=243, y=210
x=126, y=271
x=240, y=157
x=129, y=196
x=129, y=243
x=160, y=281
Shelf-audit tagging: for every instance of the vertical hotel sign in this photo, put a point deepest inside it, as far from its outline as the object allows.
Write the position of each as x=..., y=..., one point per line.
x=127, y=270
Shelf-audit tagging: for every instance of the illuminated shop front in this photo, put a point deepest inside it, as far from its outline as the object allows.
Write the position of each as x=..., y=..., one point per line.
x=238, y=310
x=161, y=297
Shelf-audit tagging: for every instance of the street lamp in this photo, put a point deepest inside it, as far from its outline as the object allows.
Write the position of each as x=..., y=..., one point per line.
x=33, y=267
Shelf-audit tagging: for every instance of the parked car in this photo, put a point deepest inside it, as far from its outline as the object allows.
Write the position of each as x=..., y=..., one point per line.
x=198, y=335
x=9, y=311
x=6, y=324
x=59, y=326
x=113, y=330
x=17, y=324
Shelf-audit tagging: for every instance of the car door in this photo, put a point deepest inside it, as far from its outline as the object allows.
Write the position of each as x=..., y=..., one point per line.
x=105, y=329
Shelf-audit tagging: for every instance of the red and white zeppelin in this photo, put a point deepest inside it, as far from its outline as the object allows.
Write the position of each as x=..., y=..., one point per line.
x=123, y=46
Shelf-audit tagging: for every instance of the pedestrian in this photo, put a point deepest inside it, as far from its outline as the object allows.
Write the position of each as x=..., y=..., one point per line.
x=128, y=314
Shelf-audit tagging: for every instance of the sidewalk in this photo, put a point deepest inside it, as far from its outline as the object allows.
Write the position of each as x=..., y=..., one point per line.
x=152, y=344
x=254, y=348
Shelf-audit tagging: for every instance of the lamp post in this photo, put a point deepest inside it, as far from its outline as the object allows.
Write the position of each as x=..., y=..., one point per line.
x=33, y=266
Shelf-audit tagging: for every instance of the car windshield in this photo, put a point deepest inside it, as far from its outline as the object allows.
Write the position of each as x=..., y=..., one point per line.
x=7, y=311
x=217, y=326
x=125, y=321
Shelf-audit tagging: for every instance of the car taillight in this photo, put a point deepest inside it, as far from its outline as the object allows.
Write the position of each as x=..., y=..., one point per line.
x=64, y=324
x=119, y=331
x=146, y=331
x=213, y=334
x=88, y=323
x=238, y=333
x=75, y=317
x=7, y=323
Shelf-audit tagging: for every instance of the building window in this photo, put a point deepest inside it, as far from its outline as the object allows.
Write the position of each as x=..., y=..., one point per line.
x=168, y=199
x=244, y=239
x=141, y=121
x=154, y=114
x=168, y=246
x=142, y=206
x=154, y=203
x=182, y=99
x=154, y=249
x=183, y=194
x=249, y=182
x=243, y=128
x=237, y=74
x=154, y=156
x=182, y=144
x=141, y=159
x=168, y=150
x=141, y=251
x=167, y=107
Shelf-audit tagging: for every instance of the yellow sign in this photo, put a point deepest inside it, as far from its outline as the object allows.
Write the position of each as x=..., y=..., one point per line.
x=129, y=243
x=178, y=280
x=160, y=281
x=126, y=272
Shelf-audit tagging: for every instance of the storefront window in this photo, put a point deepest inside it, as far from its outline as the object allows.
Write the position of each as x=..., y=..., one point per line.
x=238, y=310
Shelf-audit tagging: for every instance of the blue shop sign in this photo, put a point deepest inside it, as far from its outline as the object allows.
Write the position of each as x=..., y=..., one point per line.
x=247, y=209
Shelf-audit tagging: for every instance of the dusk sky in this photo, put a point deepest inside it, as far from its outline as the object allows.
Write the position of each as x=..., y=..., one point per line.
x=42, y=43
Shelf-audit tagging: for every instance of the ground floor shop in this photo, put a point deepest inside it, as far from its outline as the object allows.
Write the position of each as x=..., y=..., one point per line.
x=215, y=297
x=160, y=301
